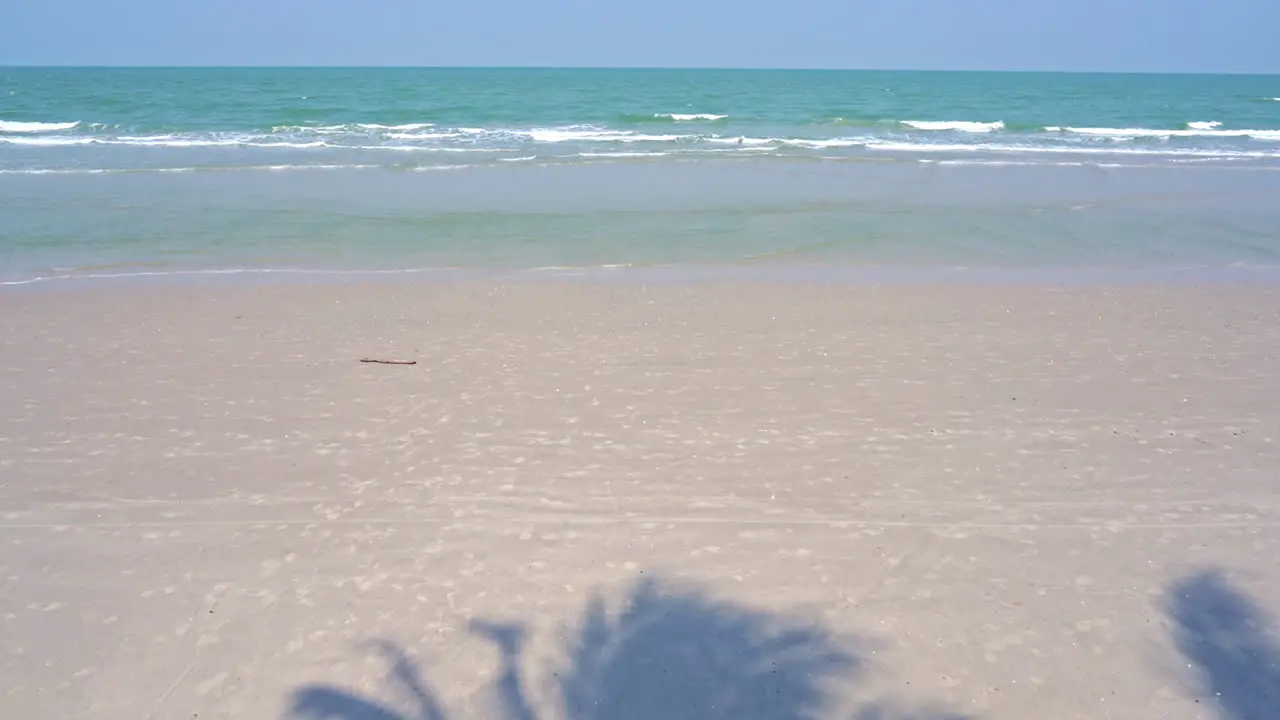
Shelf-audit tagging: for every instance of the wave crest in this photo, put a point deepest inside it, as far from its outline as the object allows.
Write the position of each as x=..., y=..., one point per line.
x=1193, y=130
x=593, y=134
x=15, y=126
x=683, y=117
x=955, y=125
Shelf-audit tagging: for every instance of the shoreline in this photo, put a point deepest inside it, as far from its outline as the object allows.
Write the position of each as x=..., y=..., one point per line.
x=764, y=273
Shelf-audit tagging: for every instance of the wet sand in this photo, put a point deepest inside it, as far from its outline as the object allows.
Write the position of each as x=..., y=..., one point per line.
x=713, y=501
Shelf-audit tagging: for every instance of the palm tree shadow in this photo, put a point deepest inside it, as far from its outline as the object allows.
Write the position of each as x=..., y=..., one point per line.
x=323, y=702
x=668, y=651
x=674, y=653
x=1222, y=633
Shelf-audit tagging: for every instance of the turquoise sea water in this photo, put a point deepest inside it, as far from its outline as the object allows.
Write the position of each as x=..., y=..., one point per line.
x=121, y=171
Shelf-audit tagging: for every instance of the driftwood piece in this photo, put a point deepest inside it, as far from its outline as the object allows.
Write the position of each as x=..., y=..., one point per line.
x=389, y=362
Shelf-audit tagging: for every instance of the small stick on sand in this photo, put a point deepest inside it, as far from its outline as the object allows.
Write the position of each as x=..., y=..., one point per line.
x=389, y=362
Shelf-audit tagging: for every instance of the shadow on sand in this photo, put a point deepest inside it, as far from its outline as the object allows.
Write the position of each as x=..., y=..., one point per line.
x=670, y=652
x=1223, y=635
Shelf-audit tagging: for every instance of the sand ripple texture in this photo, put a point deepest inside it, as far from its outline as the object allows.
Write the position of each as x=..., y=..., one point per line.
x=912, y=502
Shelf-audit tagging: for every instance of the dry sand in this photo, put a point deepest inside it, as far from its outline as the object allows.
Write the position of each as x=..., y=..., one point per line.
x=620, y=503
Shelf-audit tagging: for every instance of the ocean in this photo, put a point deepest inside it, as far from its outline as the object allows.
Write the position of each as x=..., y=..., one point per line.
x=169, y=172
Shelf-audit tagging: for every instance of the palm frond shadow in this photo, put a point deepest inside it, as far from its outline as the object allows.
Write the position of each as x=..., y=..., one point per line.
x=322, y=702
x=679, y=655
x=1223, y=635
x=670, y=652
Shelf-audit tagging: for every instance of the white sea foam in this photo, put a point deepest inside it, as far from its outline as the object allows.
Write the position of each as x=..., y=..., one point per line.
x=59, y=171
x=1006, y=163
x=556, y=135
x=955, y=125
x=833, y=143
x=295, y=145
x=728, y=150
x=14, y=126
x=207, y=168
x=321, y=130
x=260, y=141
x=694, y=116
x=1130, y=133
x=440, y=270
x=425, y=137
x=302, y=167
x=651, y=138
x=47, y=140
x=622, y=154
x=406, y=126
x=394, y=148
x=423, y=148
x=180, y=273
x=1063, y=150
x=361, y=128
x=553, y=135
x=760, y=143
x=422, y=136
x=168, y=141
x=748, y=141
x=234, y=271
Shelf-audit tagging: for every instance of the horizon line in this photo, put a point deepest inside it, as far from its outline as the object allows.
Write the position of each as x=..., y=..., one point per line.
x=124, y=66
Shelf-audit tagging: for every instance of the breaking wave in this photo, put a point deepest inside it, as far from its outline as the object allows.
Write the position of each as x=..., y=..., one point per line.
x=955, y=125
x=14, y=126
x=53, y=145
x=680, y=117
x=1193, y=129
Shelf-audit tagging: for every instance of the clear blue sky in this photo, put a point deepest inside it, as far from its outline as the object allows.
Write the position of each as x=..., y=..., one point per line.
x=1115, y=35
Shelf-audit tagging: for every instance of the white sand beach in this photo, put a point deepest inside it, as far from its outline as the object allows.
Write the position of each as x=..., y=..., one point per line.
x=611, y=501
